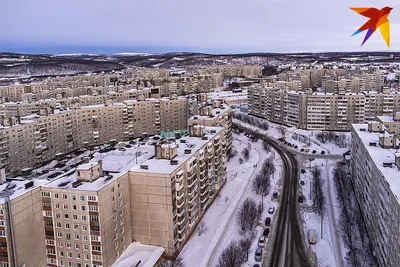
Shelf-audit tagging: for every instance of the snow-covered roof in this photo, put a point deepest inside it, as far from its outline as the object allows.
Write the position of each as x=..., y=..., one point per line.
x=215, y=112
x=193, y=143
x=136, y=252
x=379, y=156
x=385, y=118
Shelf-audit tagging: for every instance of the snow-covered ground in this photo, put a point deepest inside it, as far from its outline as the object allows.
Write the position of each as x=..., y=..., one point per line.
x=220, y=218
x=291, y=132
x=329, y=248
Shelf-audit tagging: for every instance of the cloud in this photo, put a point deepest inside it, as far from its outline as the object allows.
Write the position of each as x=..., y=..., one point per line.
x=223, y=25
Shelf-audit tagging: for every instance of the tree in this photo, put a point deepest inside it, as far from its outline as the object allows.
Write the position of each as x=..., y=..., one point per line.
x=241, y=161
x=266, y=146
x=202, y=228
x=168, y=263
x=246, y=153
x=232, y=256
x=268, y=167
x=245, y=245
x=248, y=215
x=231, y=154
x=317, y=192
x=261, y=184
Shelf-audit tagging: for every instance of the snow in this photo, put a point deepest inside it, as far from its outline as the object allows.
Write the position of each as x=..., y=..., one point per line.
x=220, y=218
x=380, y=156
x=132, y=54
x=329, y=248
x=192, y=143
x=147, y=255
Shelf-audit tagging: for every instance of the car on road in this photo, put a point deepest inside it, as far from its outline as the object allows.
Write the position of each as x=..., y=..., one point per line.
x=289, y=144
x=271, y=210
x=311, y=159
x=266, y=232
x=302, y=150
x=121, y=149
x=261, y=241
x=314, y=151
x=268, y=221
x=300, y=199
x=311, y=236
x=258, y=254
x=323, y=152
x=301, y=182
x=307, y=150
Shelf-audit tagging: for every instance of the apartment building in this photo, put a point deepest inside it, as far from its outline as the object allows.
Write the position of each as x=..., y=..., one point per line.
x=89, y=217
x=216, y=115
x=375, y=167
x=172, y=191
x=320, y=111
x=32, y=140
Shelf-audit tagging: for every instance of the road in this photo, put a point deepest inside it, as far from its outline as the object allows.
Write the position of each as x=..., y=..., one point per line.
x=288, y=248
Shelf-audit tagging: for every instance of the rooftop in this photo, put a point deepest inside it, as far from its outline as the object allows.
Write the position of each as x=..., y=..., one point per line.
x=385, y=118
x=164, y=166
x=136, y=252
x=380, y=156
x=215, y=112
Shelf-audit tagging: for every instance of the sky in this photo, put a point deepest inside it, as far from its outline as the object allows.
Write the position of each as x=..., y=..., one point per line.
x=210, y=26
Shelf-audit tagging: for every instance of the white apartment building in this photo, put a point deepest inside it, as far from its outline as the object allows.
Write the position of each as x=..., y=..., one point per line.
x=375, y=167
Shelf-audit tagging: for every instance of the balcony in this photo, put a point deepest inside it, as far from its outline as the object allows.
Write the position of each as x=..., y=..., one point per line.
x=180, y=204
x=192, y=183
x=179, y=196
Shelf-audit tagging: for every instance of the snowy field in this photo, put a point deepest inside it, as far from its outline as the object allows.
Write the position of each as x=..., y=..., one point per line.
x=220, y=218
x=329, y=247
x=311, y=141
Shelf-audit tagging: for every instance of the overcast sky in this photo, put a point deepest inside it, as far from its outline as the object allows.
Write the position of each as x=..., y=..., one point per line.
x=206, y=25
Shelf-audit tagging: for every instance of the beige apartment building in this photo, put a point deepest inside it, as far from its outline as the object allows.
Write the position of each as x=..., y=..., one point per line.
x=33, y=140
x=172, y=191
x=89, y=217
x=320, y=111
x=375, y=164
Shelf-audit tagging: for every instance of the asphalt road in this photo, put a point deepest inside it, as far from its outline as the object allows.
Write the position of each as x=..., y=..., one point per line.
x=288, y=249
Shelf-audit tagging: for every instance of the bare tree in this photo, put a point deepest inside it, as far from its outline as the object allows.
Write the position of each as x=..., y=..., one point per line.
x=232, y=256
x=245, y=245
x=266, y=146
x=261, y=184
x=231, y=154
x=268, y=166
x=248, y=215
x=241, y=161
x=169, y=263
x=317, y=192
x=202, y=228
x=246, y=153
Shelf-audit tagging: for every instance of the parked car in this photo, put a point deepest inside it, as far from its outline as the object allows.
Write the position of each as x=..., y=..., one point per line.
x=121, y=149
x=266, y=232
x=302, y=150
x=300, y=199
x=307, y=150
x=268, y=221
x=323, y=152
x=128, y=146
x=275, y=194
x=261, y=241
x=256, y=265
x=271, y=210
x=301, y=182
x=311, y=236
x=314, y=151
x=295, y=146
x=258, y=254
x=303, y=171
x=289, y=144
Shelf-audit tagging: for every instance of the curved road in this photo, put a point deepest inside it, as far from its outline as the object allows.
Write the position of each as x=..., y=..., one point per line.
x=288, y=248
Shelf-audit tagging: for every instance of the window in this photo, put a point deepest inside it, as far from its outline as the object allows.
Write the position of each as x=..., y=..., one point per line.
x=75, y=217
x=94, y=218
x=122, y=230
x=58, y=225
x=119, y=194
x=78, y=256
x=51, y=261
x=48, y=214
x=84, y=227
x=76, y=227
x=116, y=236
x=55, y=195
x=68, y=245
x=73, y=197
x=77, y=246
x=116, y=245
x=94, y=238
x=86, y=247
x=86, y=257
x=67, y=226
x=112, y=189
x=85, y=238
x=76, y=237
x=68, y=236
x=59, y=235
x=57, y=205
x=69, y=255
x=121, y=212
x=121, y=221
x=119, y=185
x=82, y=198
x=61, y=263
x=83, y=217
x=93, y=208
x=114, y=217
x=51, y=251
x=120, y=203
x=61, y=254
x=65, y=196
x=66, y=216
x=60, y=244
x=92, y=198
x=49, y=242
x=46, y=194
x=74, y=207
x=96, y=248
x=83, y=208
x=69, y=264
x=58, y=215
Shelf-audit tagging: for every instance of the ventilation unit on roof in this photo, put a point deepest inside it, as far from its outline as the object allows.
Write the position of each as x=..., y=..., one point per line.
x=144, y=167
x=195, y=117
x=218, y=112
x=372, y=143
x=204, y=138
x=362, y=129
x=28, y=184
x=213, y=131
x=173, y=162
x=183, y=141
x=76, y=184
x=387, y=164
x=188, y=151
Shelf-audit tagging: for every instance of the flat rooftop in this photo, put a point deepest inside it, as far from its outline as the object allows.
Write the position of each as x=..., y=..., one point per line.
x=115, y=162
x=215, y=112
x=379, y=156
x=163, y=166
x=385, y=118
x=136, y=252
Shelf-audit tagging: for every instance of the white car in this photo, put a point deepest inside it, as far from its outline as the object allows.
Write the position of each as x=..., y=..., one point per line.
x=271, y=210
x=261, y=241
x=307, y=150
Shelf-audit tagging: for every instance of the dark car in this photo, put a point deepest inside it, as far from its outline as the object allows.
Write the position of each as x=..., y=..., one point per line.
x=289, y=144
x=301, y=182
x=275, y=195
x=303, y=171
x=128, y=146
x=266, y=232
x=301, y=199
x=268, y=221
x=323, y=152
x=314, y=151
x=295, y=146
x=302, y=150
x=256, y=265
